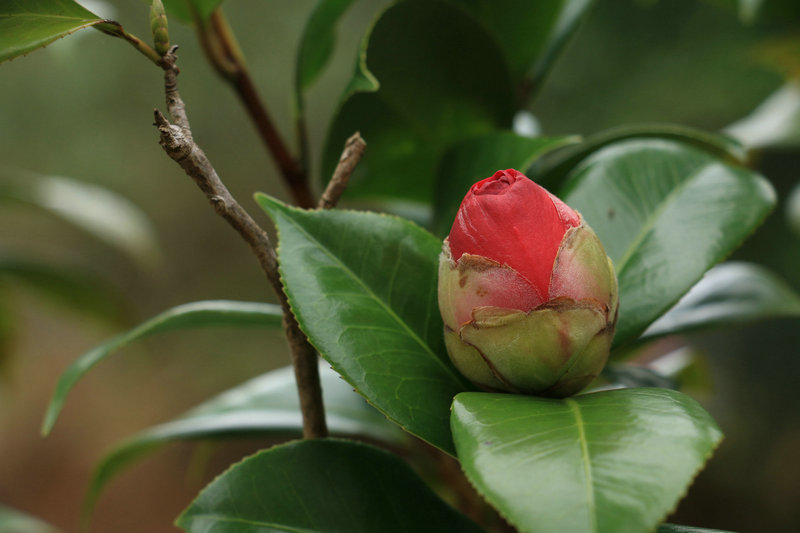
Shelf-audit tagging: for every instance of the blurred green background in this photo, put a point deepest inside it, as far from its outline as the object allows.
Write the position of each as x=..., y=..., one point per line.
x=82, y=108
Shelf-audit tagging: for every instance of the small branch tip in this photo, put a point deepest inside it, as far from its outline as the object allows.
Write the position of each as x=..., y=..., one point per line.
x=353, y=151
x=161, y=120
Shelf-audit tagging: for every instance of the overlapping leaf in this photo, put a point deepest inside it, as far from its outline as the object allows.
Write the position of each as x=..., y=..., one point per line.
x=773, y=124
x=730, y=293
x=665, y=213
x=615, y=461
x=637, y=376
x=267, y=404
x=551, y=172
x=192, y=315
x=26, y=25
x=530, y=34
x=363, y=288
x=429, y=75
x=321, y=485
x=317, y=42
x=316, y=47
x=433, y=73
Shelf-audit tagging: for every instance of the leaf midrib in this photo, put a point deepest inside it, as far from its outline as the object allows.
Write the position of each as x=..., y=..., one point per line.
x=655, y=215
x=347, y=270
x=586, y=460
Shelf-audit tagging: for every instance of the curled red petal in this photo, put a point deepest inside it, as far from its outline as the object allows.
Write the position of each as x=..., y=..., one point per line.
x=510, y=219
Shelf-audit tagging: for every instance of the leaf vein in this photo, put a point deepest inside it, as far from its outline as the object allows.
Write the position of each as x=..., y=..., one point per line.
x=369, y=292
x=586, y=459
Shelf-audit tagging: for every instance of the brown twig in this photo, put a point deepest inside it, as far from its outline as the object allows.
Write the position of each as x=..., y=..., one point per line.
x=351, y=155
x=177, y=141
x=222, y=50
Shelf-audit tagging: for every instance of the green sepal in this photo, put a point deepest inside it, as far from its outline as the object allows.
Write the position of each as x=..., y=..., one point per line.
x=531, y=352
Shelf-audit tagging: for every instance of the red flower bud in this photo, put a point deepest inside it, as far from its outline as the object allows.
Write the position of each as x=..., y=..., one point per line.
x=527, y=293
x=509, y=219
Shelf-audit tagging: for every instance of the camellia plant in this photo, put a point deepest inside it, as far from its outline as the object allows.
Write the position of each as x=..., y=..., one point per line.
x=497, y=331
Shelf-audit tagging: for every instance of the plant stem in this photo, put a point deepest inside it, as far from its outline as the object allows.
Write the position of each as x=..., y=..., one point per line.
x=351, y=155
x=222, y=50
x=115, y=29
x=178, y=143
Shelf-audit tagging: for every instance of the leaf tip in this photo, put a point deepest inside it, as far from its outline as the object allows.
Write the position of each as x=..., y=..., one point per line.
x=268, y=203
x=49, y=421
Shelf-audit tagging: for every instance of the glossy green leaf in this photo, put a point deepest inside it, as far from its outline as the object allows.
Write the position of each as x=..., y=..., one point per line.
x=191, y=315
x=632, y=376
x=729, y=294
x=689, y=367
x=418, y=213
x=100, y=212
x=70, y=287
x=474, y=159
x=773, y=124
x=428, y=75
x=316, y=47
x=321, y=485
x=317, y=42
x=614, y=461
x=26, y=25
x=14, y=521
x=665, y=213
x=685, y=368
x=551, y=172
x=267, y=404
x=363, y=288
x=530, y=34
x=675, y=528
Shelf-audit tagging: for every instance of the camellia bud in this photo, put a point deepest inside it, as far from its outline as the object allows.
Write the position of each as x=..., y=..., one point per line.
x=158, y=27
x=527, y=293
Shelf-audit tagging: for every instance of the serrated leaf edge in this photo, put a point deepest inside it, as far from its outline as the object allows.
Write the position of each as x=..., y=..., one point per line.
x=332, y=363
x=706, y=457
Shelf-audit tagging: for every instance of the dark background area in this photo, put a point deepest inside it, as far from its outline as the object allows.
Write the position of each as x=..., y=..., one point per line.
x=82, y=108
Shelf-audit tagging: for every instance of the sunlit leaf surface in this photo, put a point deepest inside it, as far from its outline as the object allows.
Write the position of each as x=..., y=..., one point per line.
x=609, y=462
